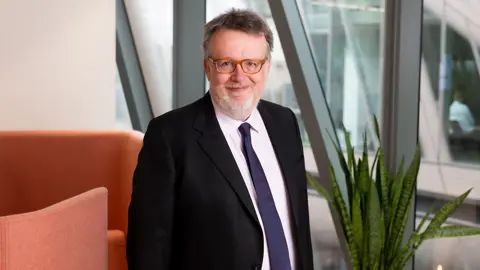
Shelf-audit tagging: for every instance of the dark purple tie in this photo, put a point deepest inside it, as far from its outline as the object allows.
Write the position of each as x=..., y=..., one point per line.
x=277, y=245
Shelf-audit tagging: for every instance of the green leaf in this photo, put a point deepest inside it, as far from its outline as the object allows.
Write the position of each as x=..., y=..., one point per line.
x=384, y=185
x=366, y=250
x=350, y=152
x=441, y=232
x=401, y=258
x=319, y=188
x=444, y=212
x=356, y=174
x=396, y=186
x=375, y=163
x=408, y=258
x=378, y=181
x=345, y=169
x=414, y=242
x=395, y=192
x=374, y=225
x=384, y=241
x=398, y=241
x=358, y=184
x=364, y=178
x=363, y=186
x=374, y=217
x=347, y=174
x=452, y=231
x=357, y=222
x=345, y=220
x=400, y=214
x=424, y=219
x=377, y=129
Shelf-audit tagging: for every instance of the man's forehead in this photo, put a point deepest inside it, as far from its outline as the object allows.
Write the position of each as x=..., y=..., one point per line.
x=238, y=50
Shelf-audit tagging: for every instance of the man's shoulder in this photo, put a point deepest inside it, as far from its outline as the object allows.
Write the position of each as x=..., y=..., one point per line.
x=275, y=109
x=178, y=117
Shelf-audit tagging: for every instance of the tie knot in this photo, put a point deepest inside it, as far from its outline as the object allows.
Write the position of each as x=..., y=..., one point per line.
x=245, y=129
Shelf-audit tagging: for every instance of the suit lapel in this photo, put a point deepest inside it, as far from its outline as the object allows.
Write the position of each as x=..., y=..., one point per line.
x=214, y=144
x=281, y=145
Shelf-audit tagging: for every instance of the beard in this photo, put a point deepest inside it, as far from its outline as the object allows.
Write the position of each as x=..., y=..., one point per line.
x=237, y=109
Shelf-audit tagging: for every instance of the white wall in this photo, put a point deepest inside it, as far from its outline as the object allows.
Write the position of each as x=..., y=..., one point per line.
x=57, y=64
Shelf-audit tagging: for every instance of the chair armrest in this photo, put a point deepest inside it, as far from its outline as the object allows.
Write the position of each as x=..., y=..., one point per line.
x=117, y=250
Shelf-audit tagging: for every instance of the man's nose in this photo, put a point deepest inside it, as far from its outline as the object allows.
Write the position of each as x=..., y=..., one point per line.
x=238, y=74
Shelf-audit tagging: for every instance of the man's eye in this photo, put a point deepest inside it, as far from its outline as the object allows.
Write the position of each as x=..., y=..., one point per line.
x=226, y=64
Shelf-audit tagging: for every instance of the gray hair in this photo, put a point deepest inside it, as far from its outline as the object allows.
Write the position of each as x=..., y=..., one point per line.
x=238, y=19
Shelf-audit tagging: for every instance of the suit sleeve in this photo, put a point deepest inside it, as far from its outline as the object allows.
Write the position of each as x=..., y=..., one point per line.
x=150, y=214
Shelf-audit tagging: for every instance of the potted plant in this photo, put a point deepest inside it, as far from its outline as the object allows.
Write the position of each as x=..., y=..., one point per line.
x=374, y=217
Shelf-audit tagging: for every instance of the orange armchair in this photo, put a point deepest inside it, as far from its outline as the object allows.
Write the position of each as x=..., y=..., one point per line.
x=71, y=234
x=40, y=168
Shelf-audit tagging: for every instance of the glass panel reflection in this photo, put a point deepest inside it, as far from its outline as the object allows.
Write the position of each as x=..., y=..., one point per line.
x=152, y=28
x=122, y=115
x=345, y=38
x=449, y=125
x=346, y=42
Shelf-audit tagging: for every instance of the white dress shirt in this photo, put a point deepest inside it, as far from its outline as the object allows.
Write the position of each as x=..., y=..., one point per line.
x=461, y=113
x=266, y=154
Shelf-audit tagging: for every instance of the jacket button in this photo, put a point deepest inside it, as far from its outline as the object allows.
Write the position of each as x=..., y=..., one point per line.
x=256, y=266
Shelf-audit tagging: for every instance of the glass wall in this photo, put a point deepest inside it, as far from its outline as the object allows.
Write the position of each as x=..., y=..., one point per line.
x=346, y=39
x=449, y=123
x=152, y=27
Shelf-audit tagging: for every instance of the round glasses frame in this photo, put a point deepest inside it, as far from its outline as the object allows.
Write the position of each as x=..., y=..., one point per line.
x=261, y=62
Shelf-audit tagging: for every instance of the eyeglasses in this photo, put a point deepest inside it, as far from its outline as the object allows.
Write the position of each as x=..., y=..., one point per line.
x=249, y=66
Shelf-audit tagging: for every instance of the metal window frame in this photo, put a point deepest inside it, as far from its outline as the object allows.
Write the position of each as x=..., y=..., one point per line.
x=401, y=87
x=188, y=72
x=400, y=90
x=130, y=72
x=310, y=97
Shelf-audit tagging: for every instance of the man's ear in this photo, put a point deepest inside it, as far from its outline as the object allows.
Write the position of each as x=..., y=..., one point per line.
x=206, y=68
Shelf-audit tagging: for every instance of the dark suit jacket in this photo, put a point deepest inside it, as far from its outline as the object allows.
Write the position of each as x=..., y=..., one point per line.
x=190, y=208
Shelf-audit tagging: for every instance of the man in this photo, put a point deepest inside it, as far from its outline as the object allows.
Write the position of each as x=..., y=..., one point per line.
x=461, y=113
x=220, y=183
